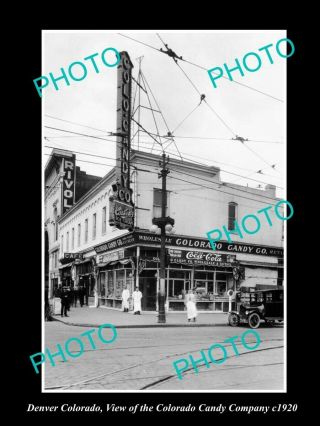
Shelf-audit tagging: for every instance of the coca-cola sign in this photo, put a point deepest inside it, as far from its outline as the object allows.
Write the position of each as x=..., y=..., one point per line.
x=201, y=258
x=121, y=215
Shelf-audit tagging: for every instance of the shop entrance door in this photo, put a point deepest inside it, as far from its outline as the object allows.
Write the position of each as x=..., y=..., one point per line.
x=148, y=288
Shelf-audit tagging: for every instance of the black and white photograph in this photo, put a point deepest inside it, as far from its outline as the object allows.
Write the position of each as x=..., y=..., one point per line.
x=164, y=211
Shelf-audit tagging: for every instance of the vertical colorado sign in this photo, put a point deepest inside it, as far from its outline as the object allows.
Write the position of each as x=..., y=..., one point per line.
x=121, y=205
x=68, y=183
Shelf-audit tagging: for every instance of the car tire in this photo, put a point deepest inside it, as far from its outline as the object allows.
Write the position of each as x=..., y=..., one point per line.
x=234, y=320
x=254, y=320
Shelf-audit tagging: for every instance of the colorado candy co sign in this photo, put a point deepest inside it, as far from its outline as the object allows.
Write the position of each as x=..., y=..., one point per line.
x=145, y=238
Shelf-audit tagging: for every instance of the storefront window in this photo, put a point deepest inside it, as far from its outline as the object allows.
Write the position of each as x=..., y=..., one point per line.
x=120, y=279
x=221, y=288
x=179, y=283
x=110, y=287
x=102, y=284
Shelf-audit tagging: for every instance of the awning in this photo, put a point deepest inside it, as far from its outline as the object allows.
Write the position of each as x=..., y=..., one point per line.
x=68, y=265
x=125, y=261
x=114, y=262
x=83, y=261
x=102, y=265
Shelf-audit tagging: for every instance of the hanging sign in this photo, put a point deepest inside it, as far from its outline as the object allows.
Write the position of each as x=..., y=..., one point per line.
x=121, y=204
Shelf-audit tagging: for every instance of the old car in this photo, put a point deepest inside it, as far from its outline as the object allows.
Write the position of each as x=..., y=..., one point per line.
x=254, y=306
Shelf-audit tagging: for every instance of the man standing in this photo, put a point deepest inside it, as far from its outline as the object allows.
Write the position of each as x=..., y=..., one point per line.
x=64, y=296
x=81, y=295
x=125, y=299
x=137, y=296
x=75, y=296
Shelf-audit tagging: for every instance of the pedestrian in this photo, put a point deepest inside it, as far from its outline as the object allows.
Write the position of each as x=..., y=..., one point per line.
x=64, y=296
x=71, y=297
x=125, y=299
x=86, y=293
x=137, y=296
x=81, y=295
x=190, y=302
x=75, y=296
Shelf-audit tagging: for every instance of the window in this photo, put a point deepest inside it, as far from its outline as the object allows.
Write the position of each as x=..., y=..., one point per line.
x=94, y=225
x=104, y=218
x=79, y=234
x=72, y=238
x=61, y=245
x=157, y=202
x=67, y=243
x=86, y=231
x=232, y=215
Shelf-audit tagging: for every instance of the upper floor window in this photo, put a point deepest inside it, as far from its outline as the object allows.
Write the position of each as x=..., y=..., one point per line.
x=157, y=202
x=232, y=215
x=79, y=234
x=67, y=243
x=86, y=230
x=61, y=245
x=104, y=220
x=94, y=225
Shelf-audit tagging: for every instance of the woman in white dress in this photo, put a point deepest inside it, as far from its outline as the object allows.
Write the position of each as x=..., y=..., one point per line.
x=190, y=302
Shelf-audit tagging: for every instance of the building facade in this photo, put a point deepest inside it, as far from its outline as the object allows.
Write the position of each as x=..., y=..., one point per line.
x=64, y=186
x=106, y=259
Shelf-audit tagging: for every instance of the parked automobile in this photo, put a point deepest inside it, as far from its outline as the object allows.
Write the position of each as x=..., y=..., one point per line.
x=254, y=306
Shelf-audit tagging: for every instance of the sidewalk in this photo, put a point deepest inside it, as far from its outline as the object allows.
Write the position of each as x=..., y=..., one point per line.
x=94, y=317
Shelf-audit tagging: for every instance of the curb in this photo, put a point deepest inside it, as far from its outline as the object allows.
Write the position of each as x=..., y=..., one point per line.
x=145, y=325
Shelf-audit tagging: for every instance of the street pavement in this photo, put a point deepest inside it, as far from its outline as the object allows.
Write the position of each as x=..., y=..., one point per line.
x=94, y=317
x=141, y=358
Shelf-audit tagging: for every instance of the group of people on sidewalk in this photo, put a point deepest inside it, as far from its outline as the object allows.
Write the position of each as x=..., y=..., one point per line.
x=69, y=297
x=189, y=301
x=136, y=299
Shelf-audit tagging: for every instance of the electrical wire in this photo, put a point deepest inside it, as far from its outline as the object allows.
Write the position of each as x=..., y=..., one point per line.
x=225, y=171
x=111, y=158
x=206, y=69
x=73, y=122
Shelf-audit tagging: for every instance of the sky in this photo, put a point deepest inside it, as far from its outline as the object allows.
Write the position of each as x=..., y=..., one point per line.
x=91, y=103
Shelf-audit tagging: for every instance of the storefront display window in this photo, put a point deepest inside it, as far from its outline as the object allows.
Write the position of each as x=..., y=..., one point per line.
x=102, y=284
x=120, y=279
x=221, y=288
x=110, y=286
x=178, y=284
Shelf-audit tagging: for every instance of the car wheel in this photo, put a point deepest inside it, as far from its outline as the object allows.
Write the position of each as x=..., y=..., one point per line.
x=233, y=320
x=254, y=320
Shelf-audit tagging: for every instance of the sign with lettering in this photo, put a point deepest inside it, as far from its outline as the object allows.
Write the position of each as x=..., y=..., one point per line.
x=73, y=256
x=110, y=257
x=145, y=238
x=68, y=183
x=121, y=204
x=121, y=215
x=187, y=257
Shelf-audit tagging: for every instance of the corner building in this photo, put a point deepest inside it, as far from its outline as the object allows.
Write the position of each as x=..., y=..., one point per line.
x=111, y=258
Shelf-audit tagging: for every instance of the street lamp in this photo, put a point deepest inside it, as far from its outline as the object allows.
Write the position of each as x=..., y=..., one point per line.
x=162, y=225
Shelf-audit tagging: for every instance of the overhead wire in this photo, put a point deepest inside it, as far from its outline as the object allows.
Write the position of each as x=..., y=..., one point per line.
x=109, y=140
x=206, y=69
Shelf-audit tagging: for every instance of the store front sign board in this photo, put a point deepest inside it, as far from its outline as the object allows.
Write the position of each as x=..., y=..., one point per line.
x=145, y=238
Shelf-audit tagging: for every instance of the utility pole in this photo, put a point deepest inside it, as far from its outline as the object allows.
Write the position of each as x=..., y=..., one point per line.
x=162, y=223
